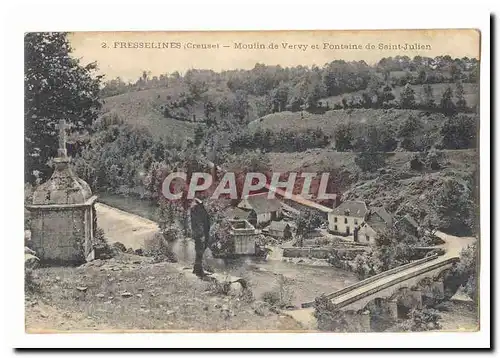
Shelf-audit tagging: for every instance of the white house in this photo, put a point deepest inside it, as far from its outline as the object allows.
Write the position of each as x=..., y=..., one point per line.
x=377, y=220
x=346, y=217
x=261, y=209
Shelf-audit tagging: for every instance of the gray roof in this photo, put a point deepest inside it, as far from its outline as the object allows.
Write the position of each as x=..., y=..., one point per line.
x=236, y=213
x=351, y=208
x=278, y=225
x=261, y=204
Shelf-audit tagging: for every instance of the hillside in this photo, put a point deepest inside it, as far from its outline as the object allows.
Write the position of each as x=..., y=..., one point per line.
x=471, y=93
x=330, y=120
x=144, y=108
x=147, y=108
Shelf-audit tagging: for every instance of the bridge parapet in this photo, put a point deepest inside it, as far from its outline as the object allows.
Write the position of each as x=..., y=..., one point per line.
x=387, y=288
x=374, y=278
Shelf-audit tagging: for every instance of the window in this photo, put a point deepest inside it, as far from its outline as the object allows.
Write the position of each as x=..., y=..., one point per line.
x=335, y=219
x=335, y=228
x=355, y=222
x=345, y=220
x=367, y=238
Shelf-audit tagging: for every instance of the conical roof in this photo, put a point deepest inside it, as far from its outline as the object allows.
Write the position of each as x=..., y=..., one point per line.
x=63, y=187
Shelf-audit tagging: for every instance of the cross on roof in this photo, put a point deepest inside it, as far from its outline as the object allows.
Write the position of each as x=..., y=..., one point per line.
x=62, y=139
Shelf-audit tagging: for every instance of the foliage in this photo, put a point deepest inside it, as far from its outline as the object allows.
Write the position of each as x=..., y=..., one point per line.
x=159, y=249
x=446, y=104
x=282, y=141
x=102, y=247
x=460, y=96
x=425, y=319
x=282, y=295
x=393, y=248
x=428, y=97
x=328, y=317
x=455, y=208
x=407, y=98
x=56, y=86
x=219, y=288
x=31, y=284
x=308, y=221
x=411, y=133
x=459, y=132
x=465, y=273
x=343, y=138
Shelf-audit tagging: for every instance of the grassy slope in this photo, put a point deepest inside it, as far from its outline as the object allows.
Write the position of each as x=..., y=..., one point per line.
x=329, y=121
x=143, y=108
x=163, y=298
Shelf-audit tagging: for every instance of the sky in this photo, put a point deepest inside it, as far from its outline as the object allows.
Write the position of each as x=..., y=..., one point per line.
x=126, y=54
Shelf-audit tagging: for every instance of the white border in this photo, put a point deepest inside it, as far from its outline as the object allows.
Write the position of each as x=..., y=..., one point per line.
x=254, y=15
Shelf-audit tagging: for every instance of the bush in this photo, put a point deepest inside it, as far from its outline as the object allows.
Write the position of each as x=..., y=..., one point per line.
x=328, y=317
x=119, y=246
x=101, y=246
x=281, y=296
x=158, y=248
x=271, y=297
x=31, y=286
x=420, y=320
x=219, y=288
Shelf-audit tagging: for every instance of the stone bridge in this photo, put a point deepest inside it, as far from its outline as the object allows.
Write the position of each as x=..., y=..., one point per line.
x=404, y=286
x=386, y=284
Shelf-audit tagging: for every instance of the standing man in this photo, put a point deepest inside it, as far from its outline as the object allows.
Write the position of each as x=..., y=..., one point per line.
x=200, y=228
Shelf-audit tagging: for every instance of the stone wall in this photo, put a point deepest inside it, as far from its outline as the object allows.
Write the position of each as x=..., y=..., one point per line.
x=58, y=236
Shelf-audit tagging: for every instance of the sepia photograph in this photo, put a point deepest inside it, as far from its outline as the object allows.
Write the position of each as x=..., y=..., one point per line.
x=298, y=182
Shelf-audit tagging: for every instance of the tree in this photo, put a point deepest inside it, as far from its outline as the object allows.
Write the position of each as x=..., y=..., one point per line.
x=392, y=248
x=446, y=104
x=370, y=149
x=306, y=223
x=428, y=97
x=465, y=272
x=460, y=96
x=454, y=208
x=459, y=132
x=343, y=138
x=56, y=86
x=329, y=318
x=409, y=131
x=385, y=96
x=407, y=97
x=280, y=98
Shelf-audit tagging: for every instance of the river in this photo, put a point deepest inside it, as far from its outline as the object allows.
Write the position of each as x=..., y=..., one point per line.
x=302, y=282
